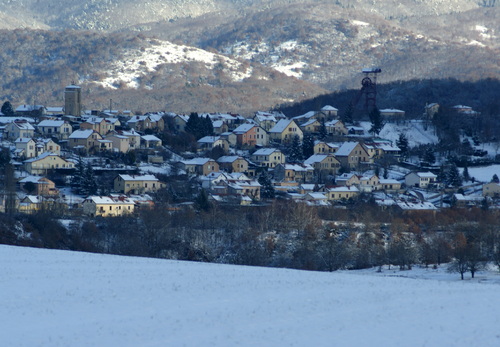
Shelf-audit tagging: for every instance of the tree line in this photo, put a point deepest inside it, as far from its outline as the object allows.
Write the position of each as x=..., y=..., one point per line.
x=281, y=234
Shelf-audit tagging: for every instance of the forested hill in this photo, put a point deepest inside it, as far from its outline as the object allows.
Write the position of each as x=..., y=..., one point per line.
x=411, y=96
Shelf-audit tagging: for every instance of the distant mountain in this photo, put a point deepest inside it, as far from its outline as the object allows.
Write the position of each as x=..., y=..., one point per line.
x=238, y=54
x=138, y=73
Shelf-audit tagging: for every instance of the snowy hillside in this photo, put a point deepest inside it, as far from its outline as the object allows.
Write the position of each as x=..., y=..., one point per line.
x=414, y=131
x=61, y=298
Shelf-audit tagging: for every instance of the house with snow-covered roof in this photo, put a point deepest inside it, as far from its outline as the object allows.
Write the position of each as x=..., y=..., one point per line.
x=19, y=128
x=491, y=189
x=42, y=186
x=86, y=139
x=265, y=120
x=120, y=143
x=335, y=127
x=250, y=135
x=342, y=192
x=330, y=111
x=150, y=141
x=312, y=126
x=324, y=163
x=268, y=157
x=55, y=128
x=294, y=172
x=420, y=179
x=321, y=147
x=352, y=154
x=347, y=179
x=45, y=162
x=199, y=166
x=208, y=143
x=284, y=131
x=233, y=163
x=137, y=184
x=25, y=147
x=390, y=185
x=107, y=206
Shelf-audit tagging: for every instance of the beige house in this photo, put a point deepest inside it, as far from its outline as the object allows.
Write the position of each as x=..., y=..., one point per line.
x=233, y=163
x=324, y=147
x=134, y=138
x=268, y=157
x=336, y=127
x=150, y=141
x=120, y=143
x=294, y=172
x=25, y=147
x=265, y=121
x=324, y=163
x=137, y=184
x=45, y=162
x=491, y=189
x=141, y=123
x=47, y=145
x=249, y=188
x=199, y=166
x=107, y=206
x=390, y=185
x=86, y=139
x=312, y=126
x=338, y=193
x=101, y=125
x=352, y=155
x=347, y=180
x=180, y=122
x=284, y=131
x=55, y=128
x=369, y=183
x=208, y=143
x=42, y=186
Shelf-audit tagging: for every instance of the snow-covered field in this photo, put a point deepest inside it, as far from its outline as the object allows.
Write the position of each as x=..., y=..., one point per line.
x=60, y=298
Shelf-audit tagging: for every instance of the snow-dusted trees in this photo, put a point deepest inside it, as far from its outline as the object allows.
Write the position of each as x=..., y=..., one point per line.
x=83, y=180
x=295, y=150
x=7, y=109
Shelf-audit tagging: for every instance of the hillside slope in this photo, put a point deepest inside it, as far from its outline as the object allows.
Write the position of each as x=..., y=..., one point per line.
x=71, y=298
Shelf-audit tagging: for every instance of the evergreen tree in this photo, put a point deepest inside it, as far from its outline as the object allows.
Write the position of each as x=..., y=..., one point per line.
x=307, y=146
x=376, y=120
x=453, y=177
x=347, y=116
x=267, y=190
x=207, y=127
x=89, y=181
x=7, y=109
x=402, y=143
x=322, y=130
x=295, y=150
x=193, y=125
x=202, y=203
x=495, y=179
x=428, y=158
x=77, y=181
x=466, y=174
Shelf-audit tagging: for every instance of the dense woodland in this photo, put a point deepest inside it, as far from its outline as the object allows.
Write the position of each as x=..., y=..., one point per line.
x=281, y=234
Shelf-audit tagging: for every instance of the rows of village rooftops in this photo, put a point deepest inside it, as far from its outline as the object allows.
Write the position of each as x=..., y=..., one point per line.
x=111, y=162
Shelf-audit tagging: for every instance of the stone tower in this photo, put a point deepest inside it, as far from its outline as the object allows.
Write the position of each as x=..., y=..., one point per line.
x=72, y=101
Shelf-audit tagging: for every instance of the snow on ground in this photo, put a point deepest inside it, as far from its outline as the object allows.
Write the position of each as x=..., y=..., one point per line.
x=414, y=131
x=62, y=298
x=136, y=63
x=483, y=173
